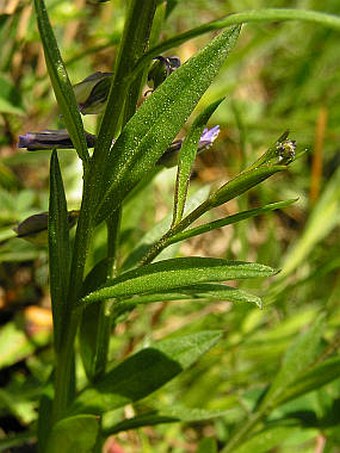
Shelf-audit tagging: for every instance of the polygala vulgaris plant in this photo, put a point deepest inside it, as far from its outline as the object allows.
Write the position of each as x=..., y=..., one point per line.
x=135, y=141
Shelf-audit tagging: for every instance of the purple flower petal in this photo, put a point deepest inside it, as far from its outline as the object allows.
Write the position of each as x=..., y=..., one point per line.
x=208, y=137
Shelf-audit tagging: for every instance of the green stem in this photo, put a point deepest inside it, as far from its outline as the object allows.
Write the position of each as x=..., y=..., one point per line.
x=242, y=434
x=134, y=44
x=247, y=179
x=64, y=380
x=105, y=311
x=138, y=23
x=165, y=240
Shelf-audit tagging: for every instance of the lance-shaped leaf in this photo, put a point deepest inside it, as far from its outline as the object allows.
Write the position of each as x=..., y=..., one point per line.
x=187, y=156
x=176, y=273
x=229, y=220
x=60, y=82
x=175, y=413
x=206, y=292
x=152, y=129
x=59, y=247
x=243, y=182
x=144, y=372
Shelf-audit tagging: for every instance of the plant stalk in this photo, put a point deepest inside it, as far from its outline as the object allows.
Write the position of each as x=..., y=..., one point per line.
x=134, y=42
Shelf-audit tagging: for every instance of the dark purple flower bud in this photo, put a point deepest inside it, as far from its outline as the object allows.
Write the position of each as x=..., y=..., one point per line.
x=92, y=93
x=34, y=228
x=49, y=139
x=161, y=69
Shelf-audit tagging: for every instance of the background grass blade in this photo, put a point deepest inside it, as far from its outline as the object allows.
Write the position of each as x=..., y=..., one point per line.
x=296, y=361
x=258, y=15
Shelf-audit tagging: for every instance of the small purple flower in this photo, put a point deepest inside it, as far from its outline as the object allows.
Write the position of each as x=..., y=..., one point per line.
x=208, y=137
x=49, y=139
x=169, y=158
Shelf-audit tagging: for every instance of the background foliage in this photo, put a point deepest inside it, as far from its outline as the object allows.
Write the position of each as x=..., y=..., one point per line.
x=281, y=76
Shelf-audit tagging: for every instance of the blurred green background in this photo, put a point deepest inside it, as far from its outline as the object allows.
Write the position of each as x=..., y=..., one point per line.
x=281, y=76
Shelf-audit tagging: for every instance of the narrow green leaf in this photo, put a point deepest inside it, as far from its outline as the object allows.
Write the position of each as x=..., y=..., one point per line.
x=295, y=362
x=149, y=132
x=144, y=372
x=60, y=82
x=73, y=434
x=312, y=379
x=242, y=183
x=59, y=247
x=205, y=292
x=187, y=156
x=229, y=220
x=166, y=415
x=148, y=419
x=176, y=273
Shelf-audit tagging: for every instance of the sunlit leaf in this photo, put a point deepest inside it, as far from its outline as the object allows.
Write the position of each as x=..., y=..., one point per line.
x=149, y=133
x=176, y=273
